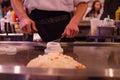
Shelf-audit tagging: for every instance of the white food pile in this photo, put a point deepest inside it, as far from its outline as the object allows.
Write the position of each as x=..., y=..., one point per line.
x=55, y=60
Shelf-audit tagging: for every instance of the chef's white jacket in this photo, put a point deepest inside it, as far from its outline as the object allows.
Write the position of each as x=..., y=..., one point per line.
x=52, y=5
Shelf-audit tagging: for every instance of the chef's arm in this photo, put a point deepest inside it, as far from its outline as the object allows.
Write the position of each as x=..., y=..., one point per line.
x=19, y=8
x=79, y=12
x=72, y=29
x=26, y=24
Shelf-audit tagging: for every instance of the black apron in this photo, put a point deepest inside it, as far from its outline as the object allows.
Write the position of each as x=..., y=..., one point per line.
x=50, y=24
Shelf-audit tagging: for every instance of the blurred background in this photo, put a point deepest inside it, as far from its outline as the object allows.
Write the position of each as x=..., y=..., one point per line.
x=105, y=17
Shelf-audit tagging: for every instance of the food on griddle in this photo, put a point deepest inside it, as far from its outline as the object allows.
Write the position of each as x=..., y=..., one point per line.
x=55, y=60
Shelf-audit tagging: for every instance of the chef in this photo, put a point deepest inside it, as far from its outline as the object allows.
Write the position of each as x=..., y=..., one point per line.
x=52, y=19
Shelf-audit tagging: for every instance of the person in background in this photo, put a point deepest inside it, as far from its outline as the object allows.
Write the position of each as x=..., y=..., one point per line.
x=95, y=10
x=51, y=18
x=5, y=7
x=110, y=6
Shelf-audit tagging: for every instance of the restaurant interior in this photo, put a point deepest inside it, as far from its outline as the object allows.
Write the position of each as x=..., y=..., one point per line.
x=93, y=55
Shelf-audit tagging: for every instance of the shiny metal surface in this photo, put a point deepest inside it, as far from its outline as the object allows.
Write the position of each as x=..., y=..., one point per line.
x=101, y=59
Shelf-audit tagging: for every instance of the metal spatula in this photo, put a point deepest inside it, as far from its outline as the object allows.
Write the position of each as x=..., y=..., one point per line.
x=58, y=40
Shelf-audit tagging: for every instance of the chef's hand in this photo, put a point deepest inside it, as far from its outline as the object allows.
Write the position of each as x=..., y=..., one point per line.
x=27, y=25
x=71, y=30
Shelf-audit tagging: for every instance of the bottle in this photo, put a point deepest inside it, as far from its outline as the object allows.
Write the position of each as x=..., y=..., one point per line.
x=117, y=20
x=9, y=16
x=117, y=14
x=2, y=23
x=6, y=26
x=13, y=16
x=12, y=27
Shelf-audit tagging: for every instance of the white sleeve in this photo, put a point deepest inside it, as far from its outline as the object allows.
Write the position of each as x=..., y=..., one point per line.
x=76, y=2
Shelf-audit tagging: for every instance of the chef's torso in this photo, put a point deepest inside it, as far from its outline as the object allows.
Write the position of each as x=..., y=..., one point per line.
x=54, y=5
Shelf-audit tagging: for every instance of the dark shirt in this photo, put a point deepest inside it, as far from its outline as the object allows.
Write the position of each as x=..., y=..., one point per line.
x=110, y=6
x=90, y=14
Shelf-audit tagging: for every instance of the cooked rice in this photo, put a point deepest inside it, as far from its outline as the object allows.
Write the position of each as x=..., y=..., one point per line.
x=55, y=60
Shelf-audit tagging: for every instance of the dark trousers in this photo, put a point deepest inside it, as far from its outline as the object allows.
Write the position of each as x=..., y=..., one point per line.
x=50, y=24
